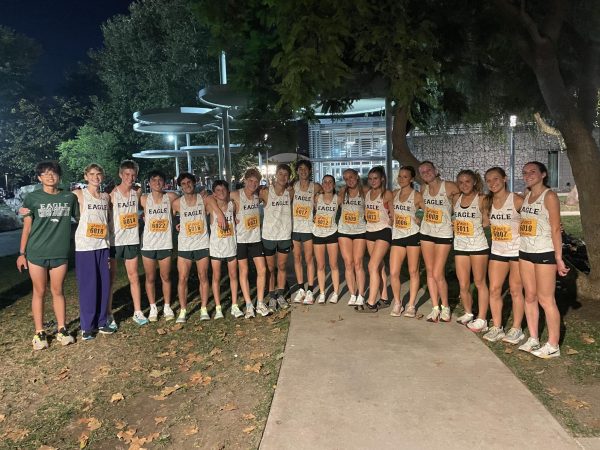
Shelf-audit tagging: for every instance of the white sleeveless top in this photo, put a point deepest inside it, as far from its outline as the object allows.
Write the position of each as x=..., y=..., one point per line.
x=437, y=217
x=125, y=229
x=303, y=208
x=92, y=230
x=535, y=231
x=375, y=213
x=158, y=228
x=248, y=229
x=405, y=220
x=504, y=223
x=277, y=222
x=193, y=229
x=352, y=219
x=324, y=224
x=222, y=242
x=468, y=227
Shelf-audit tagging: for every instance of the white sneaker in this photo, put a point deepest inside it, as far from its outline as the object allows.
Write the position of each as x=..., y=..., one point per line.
x=182, y=317
x=547, y=351
x=262, y=309
x=446, y=314
x=465, y=318
x=494, y=334
x=282, y=302
x=352, y=300
x=477, y=325
x=360, y=300
x=153, y=316
x=300, y=293
x=514, y=336
x=322, y=299
x=249, y=311
x=204, y=314
x=168, y=312
x=309, y=299
x=434, y=315
x=530, y=345
x=139, y=318
x=334, y=298
x=218, y=313
x=236, y=311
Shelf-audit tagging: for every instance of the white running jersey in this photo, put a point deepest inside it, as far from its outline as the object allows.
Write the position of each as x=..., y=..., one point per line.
x=352, y=219
x=405, y=219
x=277, y=222
x=437, y=217
x=535, y=231
x=324, y=224
x=158, y=228
x=248, y=229
x=92, y=230
x=468, y=227
x=125, y=228
x=222, y=242
x=375, y=213
x=193, y=229
x=504, y=223
x=303, y=208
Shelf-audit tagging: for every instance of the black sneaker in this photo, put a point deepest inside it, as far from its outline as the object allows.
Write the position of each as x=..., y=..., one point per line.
x=367, y=308
x=87, y=335
x=106, y=330
x=381, y=304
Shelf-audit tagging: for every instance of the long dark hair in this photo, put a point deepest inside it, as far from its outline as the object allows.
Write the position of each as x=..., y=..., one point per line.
x=381, y=172
x=411, y=170
x=489, y=197
x=543, y=169
x=333, y=178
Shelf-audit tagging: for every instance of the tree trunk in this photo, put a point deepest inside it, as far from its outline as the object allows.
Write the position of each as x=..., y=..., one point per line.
x=401, y=150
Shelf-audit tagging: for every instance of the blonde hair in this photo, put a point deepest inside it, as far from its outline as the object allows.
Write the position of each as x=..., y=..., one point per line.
x=89, y=167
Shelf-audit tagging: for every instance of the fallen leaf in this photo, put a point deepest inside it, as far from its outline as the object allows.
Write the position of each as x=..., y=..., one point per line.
x=508, y=350
x=152, y=436
x=215, y=351
x=249, y=416
x=2, y=417
x=116, y=398
x=253, y=368
x=587, y=339
x=573, y=403
x=283, y=313
x=164, y=354
x=553, y=391
x=206, y=381
x=177, y=327
x=127, y=436
x=228, y=407
x=155, y=373
x=159, y=420
x=196, y=378
x=190, y=431
x=16, y=434
x=104, y=370
x=239, y=333
x=63, y=374
x=249, y=429
x=571, y=351
x=119, y=425
x=94, y=424
x=256, y=355
x=83, y=439
x=161, y=331
x=194, y=357
x=169, y=390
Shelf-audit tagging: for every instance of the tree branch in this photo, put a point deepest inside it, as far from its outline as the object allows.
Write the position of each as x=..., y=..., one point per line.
x=552, y=23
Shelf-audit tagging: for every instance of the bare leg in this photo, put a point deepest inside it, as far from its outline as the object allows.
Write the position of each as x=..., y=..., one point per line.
x=57, y=281
x=345, y=245
x=39, y=280
x=150, y=270
x=332, y=250
x=164, y=266
x=183, y=270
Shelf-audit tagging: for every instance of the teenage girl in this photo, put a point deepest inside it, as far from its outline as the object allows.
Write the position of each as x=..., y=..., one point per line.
x=471, y=248
x=351, y=235
x=540, y=258
x=503, y=208
x=378, y=202
x=436, y=237
x=325, y=237
x=405, y=240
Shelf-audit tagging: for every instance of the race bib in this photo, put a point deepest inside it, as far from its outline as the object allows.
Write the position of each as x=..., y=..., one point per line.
x=401, y=221
x=302, y=211
x=251, y=222
x=159, y=225
x=528, y=227
x=463, y=228
x=96, y=230
x=322, y=221
x=372, y=215
x=128, y=221
x=433, y=215
x=501, y=233
x=194, y=228
x=350, y=217
x=225, y=233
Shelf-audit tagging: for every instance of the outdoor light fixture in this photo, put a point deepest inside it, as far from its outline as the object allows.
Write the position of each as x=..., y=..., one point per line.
x=513, y=124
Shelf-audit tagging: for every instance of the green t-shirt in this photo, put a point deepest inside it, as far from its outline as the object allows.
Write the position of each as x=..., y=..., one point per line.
x=50, y=236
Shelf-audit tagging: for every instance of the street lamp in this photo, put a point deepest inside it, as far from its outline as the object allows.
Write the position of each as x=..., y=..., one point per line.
x=513, y=124
x=6, y=181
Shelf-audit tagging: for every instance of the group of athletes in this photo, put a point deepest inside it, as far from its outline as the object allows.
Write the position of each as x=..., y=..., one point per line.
x=312, y=221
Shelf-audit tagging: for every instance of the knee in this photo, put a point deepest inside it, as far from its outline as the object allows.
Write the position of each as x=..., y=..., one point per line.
x=374, y=268
x=516, y=292
x=56, y=291
x=321, y=266
x=333, y=265
x=165, y=278
x=495, y=291
x=358, y=266
x=182, y=278
x=413, y=273
x=531, y=298
x=203, y=277
x=261, y=271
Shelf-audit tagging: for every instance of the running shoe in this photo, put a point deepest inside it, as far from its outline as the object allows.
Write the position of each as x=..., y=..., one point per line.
x=381, y=304
x=153, y=316
x=204, y=314
x=300, y=293
x=446, y=314
x=322, y=299
x=465, y=318
x=236, y=311
x=182, y=317
x=249, y=311
x=106, y=330
x=218, y=313
x=87, y=335
x=397, y=309
x=40, y=341
x=514, y=336
x=168, y=312
x=477, y=325
x=530, y=345
x=282, y=302
x=360, y=300
x=494, y=334
x=434, y=315
x=110, y=322
x=547, y=351
x=309, y=299
x=334, y=298
x=272, y=304
x=410, y=311
x=352, y=300
x=64, y=337
x=262, y=309
x=139, y=318
x=367, y=308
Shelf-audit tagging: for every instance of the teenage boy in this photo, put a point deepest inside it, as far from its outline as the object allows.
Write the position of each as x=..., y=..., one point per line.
x=44, y=249
x=125, y=237
x=157, y=242
x=92, y=255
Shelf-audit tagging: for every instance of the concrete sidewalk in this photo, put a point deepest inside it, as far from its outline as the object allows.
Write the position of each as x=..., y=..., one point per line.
x=372, y=381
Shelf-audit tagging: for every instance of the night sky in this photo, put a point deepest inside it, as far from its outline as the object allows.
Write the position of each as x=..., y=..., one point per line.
x=66, y=29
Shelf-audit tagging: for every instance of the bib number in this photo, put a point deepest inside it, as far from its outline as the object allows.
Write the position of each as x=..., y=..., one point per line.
x=463, y=228
x=96, y=230
x=502, y=233
x=433, y=215
x=128, y=221
x=323, y=221
x=402, y=221
x=194, y=228
x=302, y=211
x=350, y=217
x=251, y=222
x=159, y=225
x=372, y=216
x=528, y=227
x=225, y=233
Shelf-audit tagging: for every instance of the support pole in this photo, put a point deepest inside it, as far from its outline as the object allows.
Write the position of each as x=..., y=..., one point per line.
x=389, y=158
x=189, y=155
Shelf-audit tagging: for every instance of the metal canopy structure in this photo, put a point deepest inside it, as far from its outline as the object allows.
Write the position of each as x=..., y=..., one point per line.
x=176, y=115
x=361, y=106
